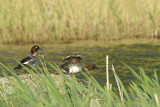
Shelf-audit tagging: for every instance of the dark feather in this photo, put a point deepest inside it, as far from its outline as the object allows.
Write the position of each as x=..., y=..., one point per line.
x=65, y=67
x=28, y=59
x=73, y=56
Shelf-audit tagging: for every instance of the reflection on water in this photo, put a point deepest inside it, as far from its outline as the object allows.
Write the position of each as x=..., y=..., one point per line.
x=136, y=56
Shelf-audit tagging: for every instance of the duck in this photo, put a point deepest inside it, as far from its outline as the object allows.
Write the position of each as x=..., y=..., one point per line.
x=73, y=65
x=91, y=67
x=30, y=60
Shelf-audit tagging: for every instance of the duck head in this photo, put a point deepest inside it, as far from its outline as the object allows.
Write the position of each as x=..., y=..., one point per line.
x=35, y=49
x=91, y=67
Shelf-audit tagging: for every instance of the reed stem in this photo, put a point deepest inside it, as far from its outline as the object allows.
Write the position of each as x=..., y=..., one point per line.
x=107, y=73
x=119, y=88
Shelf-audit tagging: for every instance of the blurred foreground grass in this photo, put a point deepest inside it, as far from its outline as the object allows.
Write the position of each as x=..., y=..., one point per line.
x=43, y=21
x=40, y=89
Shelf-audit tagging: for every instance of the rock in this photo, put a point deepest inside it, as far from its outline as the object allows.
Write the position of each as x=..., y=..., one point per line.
x=8, y=84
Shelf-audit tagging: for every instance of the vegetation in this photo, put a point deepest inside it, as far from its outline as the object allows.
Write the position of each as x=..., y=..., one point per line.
x=143, y=92
x=40, y=21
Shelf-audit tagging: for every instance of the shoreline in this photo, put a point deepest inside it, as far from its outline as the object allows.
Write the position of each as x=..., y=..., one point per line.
x=91, y=43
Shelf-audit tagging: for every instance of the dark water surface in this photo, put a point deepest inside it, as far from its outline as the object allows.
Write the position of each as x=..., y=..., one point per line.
x=136, y=56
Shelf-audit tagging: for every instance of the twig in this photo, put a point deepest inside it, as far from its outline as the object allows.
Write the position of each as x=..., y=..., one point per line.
x=120, y=91
x=157, y=100
x=43, y=63
x=107, y=73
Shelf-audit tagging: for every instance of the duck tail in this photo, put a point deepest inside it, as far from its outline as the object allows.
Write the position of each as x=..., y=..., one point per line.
x=18, y=67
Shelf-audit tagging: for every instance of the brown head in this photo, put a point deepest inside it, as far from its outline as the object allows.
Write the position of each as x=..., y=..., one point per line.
x=35, y=48
x=73, y=58
x=91, y=67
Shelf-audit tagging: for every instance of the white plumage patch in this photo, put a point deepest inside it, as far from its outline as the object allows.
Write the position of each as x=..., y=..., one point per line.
x=74, y=69
x=30, y=61
x=27, y=62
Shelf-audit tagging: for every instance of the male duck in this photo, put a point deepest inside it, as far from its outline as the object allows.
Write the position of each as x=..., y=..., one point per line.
x=30, y=60
x=73, y=64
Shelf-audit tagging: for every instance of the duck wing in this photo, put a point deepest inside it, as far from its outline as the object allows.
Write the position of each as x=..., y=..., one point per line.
x=26, y=61
x=65, y=67
x=73, y=56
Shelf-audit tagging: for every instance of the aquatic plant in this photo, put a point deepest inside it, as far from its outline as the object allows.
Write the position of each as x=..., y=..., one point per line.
x=41, y=89
x=40, y=21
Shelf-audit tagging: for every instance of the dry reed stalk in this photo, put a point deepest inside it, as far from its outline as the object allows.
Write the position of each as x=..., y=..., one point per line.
x=85, y=23
x=120, y=90
x=157, y=100
x=107, y=73
x=45, y=67
x=56, y=65
x=58, y=70
x=110, y=86
x=43, y=63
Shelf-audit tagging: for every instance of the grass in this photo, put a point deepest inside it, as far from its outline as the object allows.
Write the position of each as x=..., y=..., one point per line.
x=43, y=21
x=145, y=91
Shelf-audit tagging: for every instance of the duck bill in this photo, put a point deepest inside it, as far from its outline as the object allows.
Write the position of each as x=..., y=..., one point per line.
x=41, y=49
x=97, y=68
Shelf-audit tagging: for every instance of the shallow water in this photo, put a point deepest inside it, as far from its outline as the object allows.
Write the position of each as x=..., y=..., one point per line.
x=136, y=56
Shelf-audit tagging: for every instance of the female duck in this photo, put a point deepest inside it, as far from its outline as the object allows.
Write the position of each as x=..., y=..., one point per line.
x=73, y=64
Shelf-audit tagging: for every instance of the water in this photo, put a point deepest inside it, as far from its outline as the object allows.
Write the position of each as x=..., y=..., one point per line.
x=136, y=56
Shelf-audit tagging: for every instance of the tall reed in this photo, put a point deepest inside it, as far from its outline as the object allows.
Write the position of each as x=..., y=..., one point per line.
x=28, y=21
